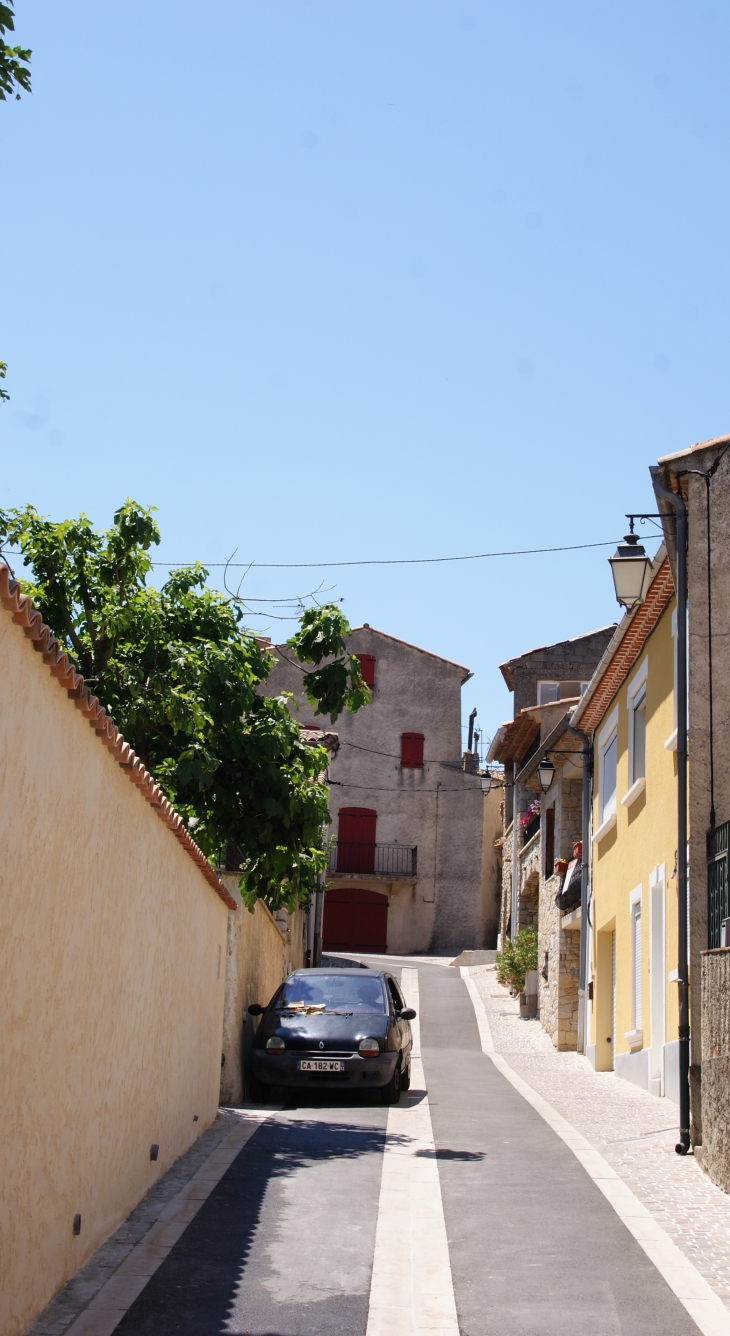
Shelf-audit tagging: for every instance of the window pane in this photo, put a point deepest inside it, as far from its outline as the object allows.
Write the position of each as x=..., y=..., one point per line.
x=336, y=992
x=608, y=779
x=639, y=766
x=547, y=692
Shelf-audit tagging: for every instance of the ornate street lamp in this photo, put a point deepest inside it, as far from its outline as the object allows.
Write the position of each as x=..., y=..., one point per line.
x=631, y=569
x=545, y=773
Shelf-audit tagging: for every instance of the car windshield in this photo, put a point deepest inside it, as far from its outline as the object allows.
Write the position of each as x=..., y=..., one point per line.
x=332, y=992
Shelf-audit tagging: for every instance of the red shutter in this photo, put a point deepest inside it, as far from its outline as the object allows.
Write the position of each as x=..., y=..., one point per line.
x=411, y=751
x=356, y=839
x=367, y=668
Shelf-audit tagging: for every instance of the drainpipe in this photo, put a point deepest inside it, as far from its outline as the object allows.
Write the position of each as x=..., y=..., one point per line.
x=318, y=913
x=584, y=895
x=680, y=510
x=514, y=851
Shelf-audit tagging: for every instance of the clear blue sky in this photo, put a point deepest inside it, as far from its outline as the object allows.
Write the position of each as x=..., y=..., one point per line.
x=348, y=279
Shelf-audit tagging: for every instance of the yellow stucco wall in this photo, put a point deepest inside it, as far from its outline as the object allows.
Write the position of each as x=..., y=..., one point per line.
x=112, y=968
x=643, y=838
x=258, y=959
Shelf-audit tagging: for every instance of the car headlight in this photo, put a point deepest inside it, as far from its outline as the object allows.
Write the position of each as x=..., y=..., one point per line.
x=368, y=1048
x=275, y=1045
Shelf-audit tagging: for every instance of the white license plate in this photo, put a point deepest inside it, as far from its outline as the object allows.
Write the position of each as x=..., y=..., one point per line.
x=320, y=1065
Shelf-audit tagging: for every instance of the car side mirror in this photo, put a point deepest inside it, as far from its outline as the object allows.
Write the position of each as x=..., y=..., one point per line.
x=408, y=1014
x=255, y=1009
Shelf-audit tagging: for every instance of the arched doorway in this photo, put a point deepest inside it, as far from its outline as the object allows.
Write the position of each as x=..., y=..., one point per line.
x=355, y=920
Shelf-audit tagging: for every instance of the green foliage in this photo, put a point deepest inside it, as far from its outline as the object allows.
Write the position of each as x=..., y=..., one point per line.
x=184, y=682
x=14, y=73
x=339, y=683
x=14, y=60
x=517, y=957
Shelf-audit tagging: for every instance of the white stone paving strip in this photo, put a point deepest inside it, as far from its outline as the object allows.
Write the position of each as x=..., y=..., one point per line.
x=705, y=1308
x=412, y=1289
x=109, y=1306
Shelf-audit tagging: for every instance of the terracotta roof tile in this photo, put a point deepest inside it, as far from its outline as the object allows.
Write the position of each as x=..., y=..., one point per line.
x=25, y=615
x=619, y=662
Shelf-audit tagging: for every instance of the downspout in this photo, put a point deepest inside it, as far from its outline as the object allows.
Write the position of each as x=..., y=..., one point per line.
x=513, y=918
x=585, y=883
x=680, y=510
x=585, y=936
x=318, y=915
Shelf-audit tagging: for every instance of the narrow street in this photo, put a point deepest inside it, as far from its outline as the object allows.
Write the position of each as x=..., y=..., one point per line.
x=334, y=1217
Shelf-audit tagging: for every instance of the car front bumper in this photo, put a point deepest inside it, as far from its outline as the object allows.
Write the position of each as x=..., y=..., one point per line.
x=362, y=1072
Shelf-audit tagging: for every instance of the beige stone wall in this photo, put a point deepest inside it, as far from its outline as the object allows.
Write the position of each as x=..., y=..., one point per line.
x=716, y=1065
x=548, y=956
x=506, y=905
x=491, y=870
x=262, y=949
x=112, y=968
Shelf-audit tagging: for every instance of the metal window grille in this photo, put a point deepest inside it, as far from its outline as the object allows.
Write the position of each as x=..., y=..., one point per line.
x=718, y=899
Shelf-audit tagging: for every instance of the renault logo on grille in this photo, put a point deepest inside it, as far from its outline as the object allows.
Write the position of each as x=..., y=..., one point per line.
x=321, y=1044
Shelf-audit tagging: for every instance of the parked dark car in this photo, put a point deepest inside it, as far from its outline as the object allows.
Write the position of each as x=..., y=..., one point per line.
x=343, y=1028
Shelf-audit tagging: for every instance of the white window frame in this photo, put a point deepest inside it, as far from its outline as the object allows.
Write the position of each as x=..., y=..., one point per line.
x=547, y=682
x=606, y=820
x=635, y=1036
x=635, y=692
x=671, y=742
x=583, y=688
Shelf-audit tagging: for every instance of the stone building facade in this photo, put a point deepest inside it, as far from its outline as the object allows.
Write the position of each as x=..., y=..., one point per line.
x=702, y=474
x=541, y=829
x=407, y=807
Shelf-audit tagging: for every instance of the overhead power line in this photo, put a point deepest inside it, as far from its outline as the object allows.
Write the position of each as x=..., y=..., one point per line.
x=388, y=561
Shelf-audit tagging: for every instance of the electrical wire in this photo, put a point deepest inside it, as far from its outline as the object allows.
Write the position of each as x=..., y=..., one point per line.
x=448, y=765
x=377, y=788
x=389, y=561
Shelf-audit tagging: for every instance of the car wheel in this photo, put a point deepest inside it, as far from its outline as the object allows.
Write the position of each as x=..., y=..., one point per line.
x=405, y=1080
x=259, y=1091
x=390, y=1094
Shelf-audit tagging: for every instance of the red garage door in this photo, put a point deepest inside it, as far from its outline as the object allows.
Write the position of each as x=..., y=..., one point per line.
x=355, y=920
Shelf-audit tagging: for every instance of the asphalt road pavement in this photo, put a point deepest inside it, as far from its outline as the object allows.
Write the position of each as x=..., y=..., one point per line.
x=285, y=1245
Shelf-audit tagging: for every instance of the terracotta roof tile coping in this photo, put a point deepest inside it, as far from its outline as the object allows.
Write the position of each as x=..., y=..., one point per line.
x=25, y=615
x=399, y=641
x=625, y=646
x=506, y=667
x=699, y=445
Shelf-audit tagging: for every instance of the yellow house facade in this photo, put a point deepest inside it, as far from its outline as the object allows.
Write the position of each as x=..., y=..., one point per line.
x=629, y=712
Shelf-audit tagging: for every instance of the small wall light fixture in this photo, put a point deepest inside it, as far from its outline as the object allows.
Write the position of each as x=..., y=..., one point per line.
x=545, y=772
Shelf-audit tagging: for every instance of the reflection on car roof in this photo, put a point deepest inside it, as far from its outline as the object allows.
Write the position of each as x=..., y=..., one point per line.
x=335, y=973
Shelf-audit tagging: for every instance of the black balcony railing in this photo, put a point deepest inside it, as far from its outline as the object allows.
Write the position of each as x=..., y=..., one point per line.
x=374, y=860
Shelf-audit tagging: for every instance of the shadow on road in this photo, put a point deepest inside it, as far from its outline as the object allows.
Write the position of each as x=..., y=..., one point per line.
x=197, y=1290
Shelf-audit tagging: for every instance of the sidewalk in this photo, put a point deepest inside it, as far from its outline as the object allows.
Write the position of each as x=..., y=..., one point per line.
x=85, y=1287
x=633, y=1130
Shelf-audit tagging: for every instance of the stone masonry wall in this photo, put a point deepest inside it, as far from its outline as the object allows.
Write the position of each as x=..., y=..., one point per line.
x=716, y=1065
x=506, y=906
x=568, y=979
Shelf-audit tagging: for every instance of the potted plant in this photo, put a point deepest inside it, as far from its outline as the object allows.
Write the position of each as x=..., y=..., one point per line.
x=561, y=867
